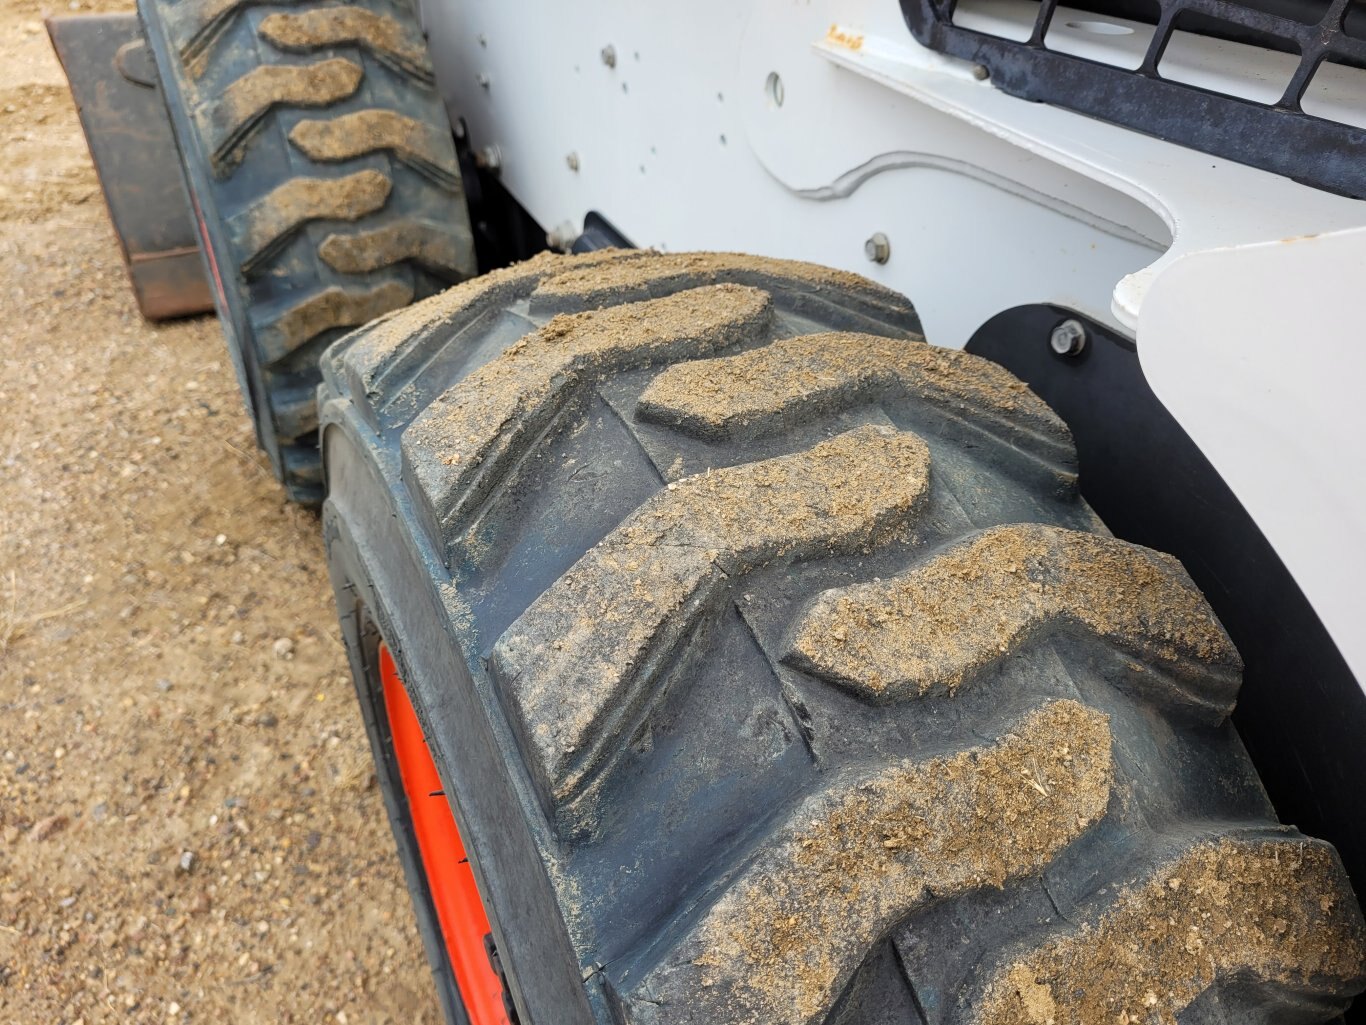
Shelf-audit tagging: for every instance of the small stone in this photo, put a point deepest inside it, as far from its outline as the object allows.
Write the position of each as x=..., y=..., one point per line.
x=268, y=720
x=186, y=860
x=44, y=828
x=284, y=648
x=163, y=685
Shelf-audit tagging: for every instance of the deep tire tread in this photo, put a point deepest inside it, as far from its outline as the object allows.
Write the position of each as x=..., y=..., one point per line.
x=821, y=688
x=310, y=127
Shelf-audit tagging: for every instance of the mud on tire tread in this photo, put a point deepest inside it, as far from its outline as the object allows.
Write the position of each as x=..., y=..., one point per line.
x=777, y=673
x=324, y=180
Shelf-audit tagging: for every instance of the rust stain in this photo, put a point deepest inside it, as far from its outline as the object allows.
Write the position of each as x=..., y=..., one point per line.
x=841, y=37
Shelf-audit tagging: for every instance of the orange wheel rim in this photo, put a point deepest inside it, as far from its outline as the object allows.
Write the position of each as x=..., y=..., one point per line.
x=459, y=909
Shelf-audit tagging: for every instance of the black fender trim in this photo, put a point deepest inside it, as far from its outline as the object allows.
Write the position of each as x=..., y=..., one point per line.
x=1301, y=712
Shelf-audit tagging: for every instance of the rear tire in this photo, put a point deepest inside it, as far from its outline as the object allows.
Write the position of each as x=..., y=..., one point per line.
x=775, y=671
x=324, y=184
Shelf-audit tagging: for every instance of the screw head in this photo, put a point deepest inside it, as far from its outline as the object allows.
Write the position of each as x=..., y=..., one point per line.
x=609, y=55
x=878, y=248
x=1068, y=338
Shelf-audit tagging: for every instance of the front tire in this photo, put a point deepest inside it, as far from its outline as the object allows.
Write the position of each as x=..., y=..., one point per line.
x=775, y=671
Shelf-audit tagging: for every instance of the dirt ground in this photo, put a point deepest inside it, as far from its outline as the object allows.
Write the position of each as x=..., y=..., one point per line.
x=189, y=828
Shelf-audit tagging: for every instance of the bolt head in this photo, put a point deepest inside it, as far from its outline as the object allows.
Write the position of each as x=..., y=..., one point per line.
x=1068, y=338
x=490, y=158
x=878, y=248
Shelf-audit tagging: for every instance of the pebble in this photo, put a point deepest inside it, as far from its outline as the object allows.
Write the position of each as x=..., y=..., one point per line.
x=284, y=648
x=186, y=860
x=50, y=826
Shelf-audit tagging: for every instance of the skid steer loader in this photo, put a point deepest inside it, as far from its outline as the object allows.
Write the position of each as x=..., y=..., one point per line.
x=729, y=652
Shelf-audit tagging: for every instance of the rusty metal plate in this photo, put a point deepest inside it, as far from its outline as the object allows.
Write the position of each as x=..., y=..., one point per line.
x=115, y=87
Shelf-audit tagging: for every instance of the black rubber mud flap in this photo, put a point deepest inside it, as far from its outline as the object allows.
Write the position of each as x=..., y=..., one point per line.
x=324, y=184
x=776, y=672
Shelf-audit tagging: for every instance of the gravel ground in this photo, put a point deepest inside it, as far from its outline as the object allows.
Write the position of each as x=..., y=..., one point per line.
x=189, y=826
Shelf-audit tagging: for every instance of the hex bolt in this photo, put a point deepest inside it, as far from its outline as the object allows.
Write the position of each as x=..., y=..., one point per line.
x=490, y=158
x=609, y=55
x=1068, y=338
x=878, y=248
x=573, y=161
x=562, y=237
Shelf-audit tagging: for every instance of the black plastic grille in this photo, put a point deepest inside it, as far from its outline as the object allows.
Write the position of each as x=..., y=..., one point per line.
x=1277, y=136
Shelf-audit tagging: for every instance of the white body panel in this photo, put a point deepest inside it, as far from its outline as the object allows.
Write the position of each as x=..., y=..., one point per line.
x=988, y=202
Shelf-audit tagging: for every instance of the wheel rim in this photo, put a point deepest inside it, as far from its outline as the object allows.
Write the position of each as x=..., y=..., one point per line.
x=450, y=880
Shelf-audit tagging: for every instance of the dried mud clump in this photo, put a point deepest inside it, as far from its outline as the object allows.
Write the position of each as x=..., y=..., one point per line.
x=658, y=274
x=375, y=351
x=383, y=36
x=937, y=625
x=1277, y=911
x=437, y=247
x=587, y=647
x=332, y=307
x=782, y=942
x=370, y=131
x=274, y=219
x=467, y=435
x=764, y=391
x=229, y=122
